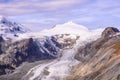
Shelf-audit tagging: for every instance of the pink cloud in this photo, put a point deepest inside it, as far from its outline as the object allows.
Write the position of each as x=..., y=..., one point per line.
x=28, y=6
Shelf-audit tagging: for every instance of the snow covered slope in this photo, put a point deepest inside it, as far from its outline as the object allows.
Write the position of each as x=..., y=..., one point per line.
x=63, y=46
x=67, y=28
x=9, y=29
x=70, y=34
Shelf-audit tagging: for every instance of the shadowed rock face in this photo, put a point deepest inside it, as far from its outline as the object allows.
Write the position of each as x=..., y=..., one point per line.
x=1, y=45
x=12, y=55
x=100, y=59
x=109, y=31
x=28, y=50
x=16, y=53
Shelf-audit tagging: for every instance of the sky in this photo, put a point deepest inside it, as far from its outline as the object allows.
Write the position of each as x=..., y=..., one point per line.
x=42, y=14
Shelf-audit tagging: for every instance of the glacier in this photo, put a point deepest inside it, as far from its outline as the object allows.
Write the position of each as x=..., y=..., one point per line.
x=61, y=67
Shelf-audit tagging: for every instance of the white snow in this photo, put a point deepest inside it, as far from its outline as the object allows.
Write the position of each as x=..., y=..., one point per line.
x=67, y=28
x=57, y=68
x=61, y=67
x=10, y=30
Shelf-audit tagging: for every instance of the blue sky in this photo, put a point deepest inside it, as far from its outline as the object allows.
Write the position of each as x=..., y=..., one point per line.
x=47, y=13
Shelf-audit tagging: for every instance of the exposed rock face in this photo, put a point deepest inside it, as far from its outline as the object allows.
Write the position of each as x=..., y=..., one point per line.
x=86, y=52
x=11, y=30
x=109, y=31
x=66, y=40
x=10, y=27
x=100, y=59
x=1, y=45
x=29, y=50
x=14, y=54
x=58, y=68
x=17, y=53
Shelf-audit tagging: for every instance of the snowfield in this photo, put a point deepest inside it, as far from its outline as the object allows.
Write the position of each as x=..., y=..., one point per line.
x=61, y=67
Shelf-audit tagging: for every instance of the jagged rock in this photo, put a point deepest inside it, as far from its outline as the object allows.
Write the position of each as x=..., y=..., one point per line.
x=30, y=50
x=10, y=27
x=99, y=59
x=16, y=54
x=66, y=40
x=10, y=30
x=109, y=31
x=27, y=50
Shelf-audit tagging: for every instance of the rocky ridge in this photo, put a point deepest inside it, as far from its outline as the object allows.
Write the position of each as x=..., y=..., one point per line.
x=10, y=30
x=100, y=58
x=30, y=50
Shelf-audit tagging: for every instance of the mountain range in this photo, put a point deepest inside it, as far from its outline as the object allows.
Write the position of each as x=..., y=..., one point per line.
x=67, y=51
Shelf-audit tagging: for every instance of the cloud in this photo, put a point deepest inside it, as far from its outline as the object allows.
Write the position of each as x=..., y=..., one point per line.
x=42, y=21
x=91, y=13
x=85, y=19
x=16, y=7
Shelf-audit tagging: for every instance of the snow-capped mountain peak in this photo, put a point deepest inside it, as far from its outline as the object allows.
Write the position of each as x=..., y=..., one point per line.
x=67, y=28
x=71, y=24
x=10, y=29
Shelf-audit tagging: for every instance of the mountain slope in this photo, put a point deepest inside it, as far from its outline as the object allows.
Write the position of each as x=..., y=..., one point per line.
x=61, y=67
x=66, y=52
x=72, y=28
x=67, y=28
x=100, y=59
x=9, y=29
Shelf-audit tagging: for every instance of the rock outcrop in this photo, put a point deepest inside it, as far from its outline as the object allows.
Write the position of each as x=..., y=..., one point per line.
x=100, y=60
x=14, y=54
x=109, y=31
x=1, y=45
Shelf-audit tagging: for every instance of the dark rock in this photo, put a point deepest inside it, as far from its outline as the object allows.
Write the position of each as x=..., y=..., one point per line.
x=28, y=50
x=109, y=31
x=17, y=53
x=1, y=39
x=1, y=45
